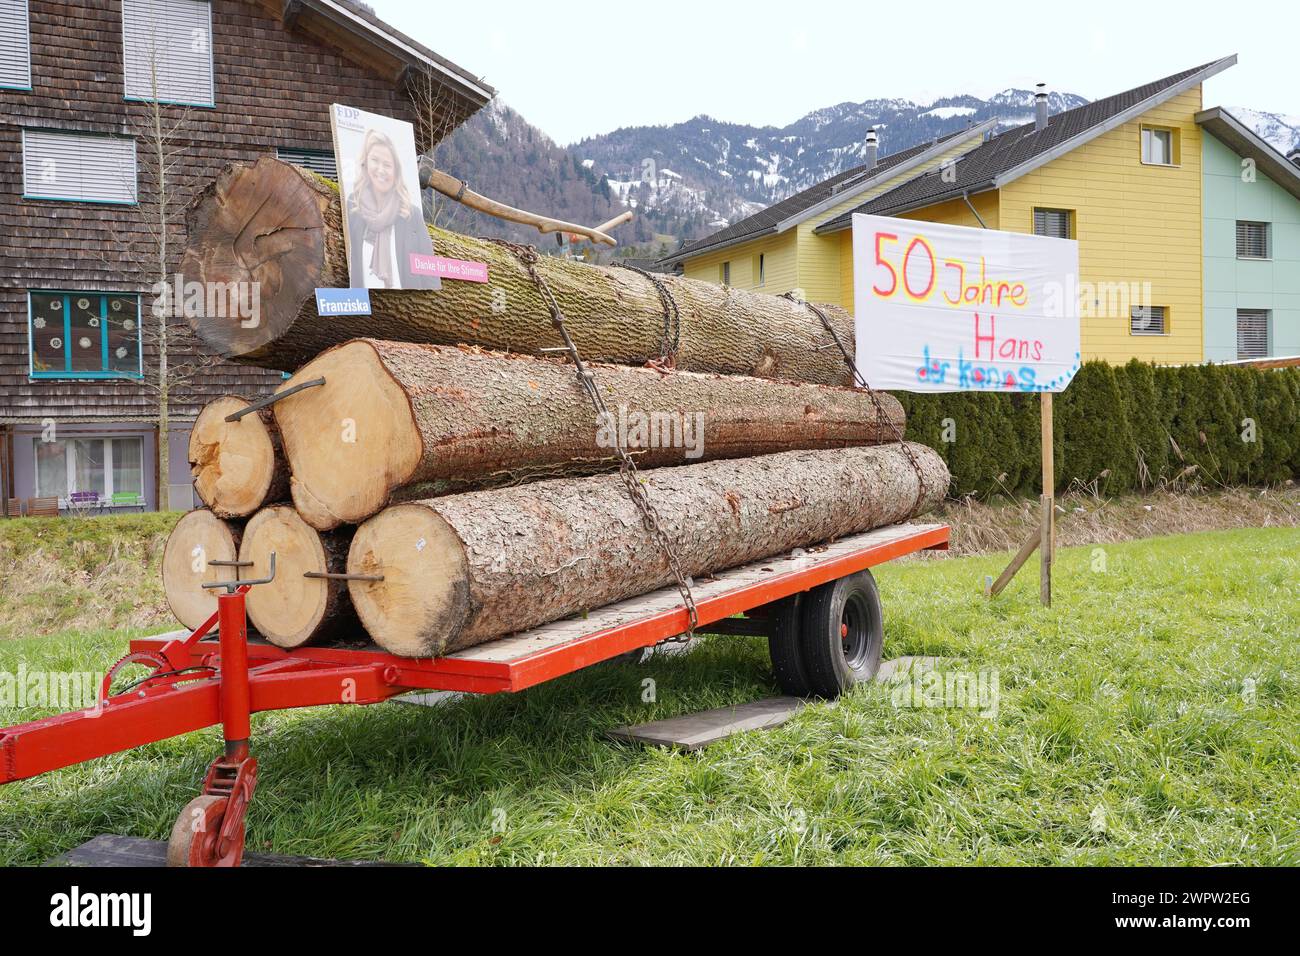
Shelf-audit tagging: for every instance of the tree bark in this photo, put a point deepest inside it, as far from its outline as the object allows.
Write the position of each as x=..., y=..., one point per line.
x=466, y=569
x=279, y=227
x=443, y=419
x=294, y=610
x=198, y=538
x=238, y=467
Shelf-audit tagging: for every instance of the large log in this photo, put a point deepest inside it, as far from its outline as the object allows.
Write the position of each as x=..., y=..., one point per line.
x=238, y=466
x=465, y=569
x=277, y=228
x=393, y=415
x=295, y=610
x=198, y=538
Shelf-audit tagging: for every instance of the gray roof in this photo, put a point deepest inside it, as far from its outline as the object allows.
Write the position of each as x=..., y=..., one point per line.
x=1009, y=155
x=768, y=221
x=1245, y=142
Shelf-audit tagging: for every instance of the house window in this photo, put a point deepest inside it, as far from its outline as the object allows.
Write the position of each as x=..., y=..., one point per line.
x=318, y=161
x=1252, y=240
x=761, y=269
x=1057, y=223
x=1252, y=333
x=84, y=335
x=726, y=273
x=1149, y=320
x=1158, y=146
x=105, y=466
x=15, y=46
x=78, y=167
x=167, y=51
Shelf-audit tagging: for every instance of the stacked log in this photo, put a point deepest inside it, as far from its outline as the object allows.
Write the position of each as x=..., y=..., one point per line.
x=198, y=539
x=459, y=481
x=237, y=466
x=466, y=569
x=278, y=228
x=301, y=605
x=430, y=420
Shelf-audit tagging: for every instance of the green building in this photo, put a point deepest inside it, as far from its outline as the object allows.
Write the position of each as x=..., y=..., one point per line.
x=1251, y=236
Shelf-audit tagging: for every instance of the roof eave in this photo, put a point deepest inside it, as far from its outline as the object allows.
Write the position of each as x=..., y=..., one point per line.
x=1244, y=141
x=1114, y=122
x=835, y=225
x=403, y=49
x=685, y=254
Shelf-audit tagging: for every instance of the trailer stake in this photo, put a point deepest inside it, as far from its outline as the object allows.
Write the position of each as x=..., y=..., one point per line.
x=272, y=399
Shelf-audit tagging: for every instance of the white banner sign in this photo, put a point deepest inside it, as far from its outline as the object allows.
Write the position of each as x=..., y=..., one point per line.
x=953, y=309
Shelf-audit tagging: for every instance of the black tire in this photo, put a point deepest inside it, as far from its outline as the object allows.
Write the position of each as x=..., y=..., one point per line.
x=784, y=646
x=843, y=633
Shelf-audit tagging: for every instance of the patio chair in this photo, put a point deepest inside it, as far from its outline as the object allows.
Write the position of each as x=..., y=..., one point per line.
x=43, y=507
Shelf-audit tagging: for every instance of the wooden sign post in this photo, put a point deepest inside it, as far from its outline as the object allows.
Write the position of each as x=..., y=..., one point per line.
x=1047, y=529
x=1043, y=538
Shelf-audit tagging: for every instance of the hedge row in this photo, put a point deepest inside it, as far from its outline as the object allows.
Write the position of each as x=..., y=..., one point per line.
x=1127, y=428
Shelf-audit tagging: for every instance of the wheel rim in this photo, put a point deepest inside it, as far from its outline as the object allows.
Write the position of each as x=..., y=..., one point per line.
x=855, y=631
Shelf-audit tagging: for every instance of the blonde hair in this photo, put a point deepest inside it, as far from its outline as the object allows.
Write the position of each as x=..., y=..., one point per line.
x=373, y=139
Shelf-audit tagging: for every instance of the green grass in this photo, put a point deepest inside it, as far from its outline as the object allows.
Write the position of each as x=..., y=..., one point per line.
x=1127, y=696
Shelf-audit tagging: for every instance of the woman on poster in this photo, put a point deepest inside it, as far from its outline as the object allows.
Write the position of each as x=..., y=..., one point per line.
x=385, y=222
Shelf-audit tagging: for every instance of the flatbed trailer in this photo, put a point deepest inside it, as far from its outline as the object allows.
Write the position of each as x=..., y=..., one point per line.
x=818, y=608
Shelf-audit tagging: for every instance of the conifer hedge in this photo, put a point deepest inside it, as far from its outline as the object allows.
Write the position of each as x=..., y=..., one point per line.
x=1126, y=428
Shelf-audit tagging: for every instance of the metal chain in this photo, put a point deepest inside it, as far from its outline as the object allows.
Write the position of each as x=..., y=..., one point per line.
x=527, y=256
x=881, y=418
x=672, y=314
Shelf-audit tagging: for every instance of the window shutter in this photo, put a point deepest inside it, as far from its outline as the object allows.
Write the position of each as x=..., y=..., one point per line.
x=1147, y=320
x=1252, y=333
x=1052, y=222
x=1252, y=240
x=318, y=162
x=15, y=45
x=78, y=167
x=174, y=39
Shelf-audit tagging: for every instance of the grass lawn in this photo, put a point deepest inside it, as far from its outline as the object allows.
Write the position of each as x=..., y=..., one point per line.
x=1151, y=717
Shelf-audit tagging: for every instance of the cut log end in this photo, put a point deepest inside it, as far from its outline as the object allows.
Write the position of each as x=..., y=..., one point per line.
x=291, y=610
x=351, y=440
x=198, y=538
x=424, y=597
x=234, y=464
x=259, y=226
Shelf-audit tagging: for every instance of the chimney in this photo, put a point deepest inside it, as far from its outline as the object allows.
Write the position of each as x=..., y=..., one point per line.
x=1040, y=107
x=869, y=154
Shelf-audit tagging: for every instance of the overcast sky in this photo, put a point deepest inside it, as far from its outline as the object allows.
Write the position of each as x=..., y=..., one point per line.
x=577, y=70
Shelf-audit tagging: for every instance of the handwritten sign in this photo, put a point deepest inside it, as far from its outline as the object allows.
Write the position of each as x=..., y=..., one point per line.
x=951, y=309
x=444, y=268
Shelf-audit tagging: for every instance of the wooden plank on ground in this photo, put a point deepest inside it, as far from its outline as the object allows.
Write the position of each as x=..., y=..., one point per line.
x=115, y=850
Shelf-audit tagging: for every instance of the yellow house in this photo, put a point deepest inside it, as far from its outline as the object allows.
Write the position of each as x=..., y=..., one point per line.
x=1122, y=175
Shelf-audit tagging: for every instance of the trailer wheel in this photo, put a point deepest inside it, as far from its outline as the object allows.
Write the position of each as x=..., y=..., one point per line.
x=194, y=836
x=783, y=644
x=843, y=633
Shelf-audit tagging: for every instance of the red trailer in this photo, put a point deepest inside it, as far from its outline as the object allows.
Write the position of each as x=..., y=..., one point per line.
x=819, y=609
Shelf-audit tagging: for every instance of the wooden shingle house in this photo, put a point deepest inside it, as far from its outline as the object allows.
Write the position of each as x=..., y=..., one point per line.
x=82, y=202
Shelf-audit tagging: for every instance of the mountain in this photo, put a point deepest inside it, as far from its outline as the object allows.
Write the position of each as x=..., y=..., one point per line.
x=687, y=180
x=1281, y=131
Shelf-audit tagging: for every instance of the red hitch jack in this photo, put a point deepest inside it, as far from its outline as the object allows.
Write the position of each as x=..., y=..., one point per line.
x=210, y=830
